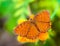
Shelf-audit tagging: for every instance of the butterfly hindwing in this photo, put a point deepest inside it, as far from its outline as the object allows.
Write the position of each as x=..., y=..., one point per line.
x=33, y=32
x=43, y=27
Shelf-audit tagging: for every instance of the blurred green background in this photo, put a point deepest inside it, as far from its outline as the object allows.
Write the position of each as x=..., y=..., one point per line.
x=11, y=11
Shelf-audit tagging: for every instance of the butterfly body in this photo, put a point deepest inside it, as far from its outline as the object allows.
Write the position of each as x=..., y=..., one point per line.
x=34, y=26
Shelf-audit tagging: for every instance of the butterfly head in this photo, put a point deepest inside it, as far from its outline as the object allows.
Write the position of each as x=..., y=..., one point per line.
x=31, y=17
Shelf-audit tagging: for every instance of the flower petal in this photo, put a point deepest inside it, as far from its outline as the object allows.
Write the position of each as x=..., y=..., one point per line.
x=24, y=39
x=43, y=36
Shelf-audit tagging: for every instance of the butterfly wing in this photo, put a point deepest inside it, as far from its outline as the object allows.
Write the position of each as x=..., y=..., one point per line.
x=33, y=32
x=43, y=27
x=43, y=16
x=27, y=29
x=42, y=20
x=23, y=28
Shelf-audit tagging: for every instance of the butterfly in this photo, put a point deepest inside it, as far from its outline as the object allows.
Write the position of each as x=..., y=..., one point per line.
x=33, y=27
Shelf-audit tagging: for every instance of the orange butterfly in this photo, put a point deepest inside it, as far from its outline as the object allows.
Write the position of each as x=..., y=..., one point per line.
x=33, y=27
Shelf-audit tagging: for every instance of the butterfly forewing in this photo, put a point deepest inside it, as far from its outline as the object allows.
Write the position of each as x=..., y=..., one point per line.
x=42, y=16
x=27, y=29
x=23, y=28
